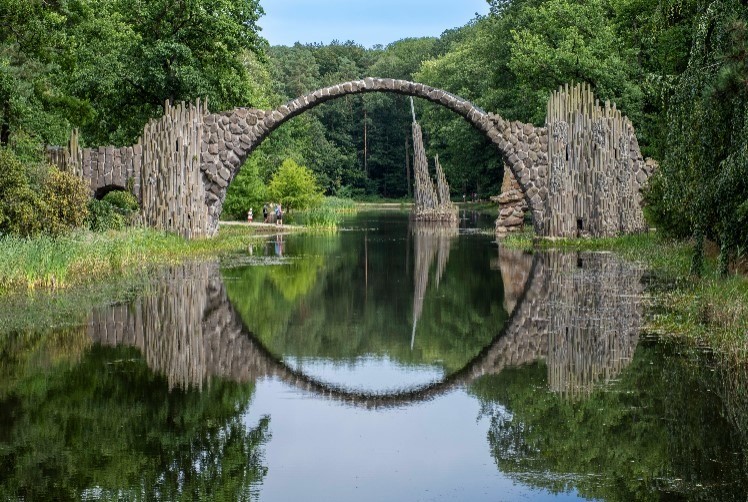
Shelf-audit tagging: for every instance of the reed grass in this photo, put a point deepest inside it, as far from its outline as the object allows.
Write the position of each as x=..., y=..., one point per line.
x=326, y=217
x=57, y=263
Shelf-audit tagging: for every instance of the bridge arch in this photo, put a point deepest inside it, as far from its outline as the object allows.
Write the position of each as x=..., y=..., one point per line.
x=584, y=322
x=230, y=137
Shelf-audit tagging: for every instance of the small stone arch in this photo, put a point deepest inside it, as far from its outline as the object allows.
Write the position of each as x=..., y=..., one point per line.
x=103, y=191
x=230, y=137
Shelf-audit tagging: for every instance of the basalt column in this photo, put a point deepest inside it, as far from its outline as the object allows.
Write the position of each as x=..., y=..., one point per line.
x=431, y=204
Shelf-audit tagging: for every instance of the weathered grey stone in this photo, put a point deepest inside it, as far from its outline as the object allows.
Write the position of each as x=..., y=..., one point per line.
x=233, y=159
x=512, y=221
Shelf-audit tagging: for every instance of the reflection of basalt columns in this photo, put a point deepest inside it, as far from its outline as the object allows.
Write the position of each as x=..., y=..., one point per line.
x=582, y=314
x=182, y=327
x=431, y=240
x=515, y=266
x=579, y=312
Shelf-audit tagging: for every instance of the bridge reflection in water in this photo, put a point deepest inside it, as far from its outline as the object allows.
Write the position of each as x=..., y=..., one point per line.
x=580, y=312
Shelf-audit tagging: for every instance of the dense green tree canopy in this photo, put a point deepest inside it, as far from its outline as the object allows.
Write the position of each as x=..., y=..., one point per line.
x=677, y=68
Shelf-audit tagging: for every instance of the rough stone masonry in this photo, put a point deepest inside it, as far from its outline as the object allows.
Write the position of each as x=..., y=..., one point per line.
x=580, y=174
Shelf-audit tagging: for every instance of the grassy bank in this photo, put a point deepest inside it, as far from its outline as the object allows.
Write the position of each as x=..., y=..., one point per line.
x=709, y=311
x=83, y=257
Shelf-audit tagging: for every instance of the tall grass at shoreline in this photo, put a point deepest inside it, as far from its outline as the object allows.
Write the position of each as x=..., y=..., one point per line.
x=53, y=263
x=326, y=217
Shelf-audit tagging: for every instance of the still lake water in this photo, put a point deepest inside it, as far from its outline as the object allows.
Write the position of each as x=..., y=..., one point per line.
x=385, y=362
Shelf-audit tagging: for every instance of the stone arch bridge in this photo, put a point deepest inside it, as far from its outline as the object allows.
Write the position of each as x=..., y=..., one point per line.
x=582, y=171
x=580, y=313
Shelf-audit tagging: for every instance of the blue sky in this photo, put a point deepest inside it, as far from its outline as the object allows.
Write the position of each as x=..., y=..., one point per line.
x=367, y=22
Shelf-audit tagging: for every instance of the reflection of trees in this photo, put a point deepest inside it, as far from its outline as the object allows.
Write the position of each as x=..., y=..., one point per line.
x=657, y=428
x=109, y=427
x=664, y=429
x=99, y=423
x=355, y=310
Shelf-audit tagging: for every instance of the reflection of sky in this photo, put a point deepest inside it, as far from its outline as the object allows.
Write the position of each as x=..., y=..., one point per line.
x=370, y=374
x=323, y=450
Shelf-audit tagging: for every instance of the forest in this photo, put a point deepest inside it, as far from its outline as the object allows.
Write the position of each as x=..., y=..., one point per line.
x=677, y=68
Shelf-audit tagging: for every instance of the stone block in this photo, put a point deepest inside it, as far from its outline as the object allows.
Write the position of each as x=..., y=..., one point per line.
x=233, y=159
x=242, y=113
x=512, y=221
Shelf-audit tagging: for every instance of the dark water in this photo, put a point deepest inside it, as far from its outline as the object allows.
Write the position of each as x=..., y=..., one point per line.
x=386, y=362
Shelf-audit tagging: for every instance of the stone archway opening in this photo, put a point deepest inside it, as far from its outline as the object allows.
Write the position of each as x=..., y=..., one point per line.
x=230, y=137
x=105, y=190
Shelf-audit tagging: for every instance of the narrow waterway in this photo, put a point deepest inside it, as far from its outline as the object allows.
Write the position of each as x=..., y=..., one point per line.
x=389, y=361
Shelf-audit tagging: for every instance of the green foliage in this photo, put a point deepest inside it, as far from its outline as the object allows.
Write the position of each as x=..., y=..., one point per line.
x=655, y=431
x=246, y=191
x=295, y=187
x=123, y=200
x=66, y=197
x=78, y=421
x=316, y=305
x=36, y=198
x=103, y=216
x=702, y=185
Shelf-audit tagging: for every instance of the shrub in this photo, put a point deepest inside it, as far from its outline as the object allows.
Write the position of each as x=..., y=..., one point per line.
x=295, y=187
x=22, y=208
x=20, y=204
x=124, y=201
x=103, y=216
x=36, y=198
x=66, y=197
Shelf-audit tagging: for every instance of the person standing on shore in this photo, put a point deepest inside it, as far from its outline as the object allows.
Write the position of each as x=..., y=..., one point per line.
x=265, y=213
x=249, y=215
x=278, y=215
